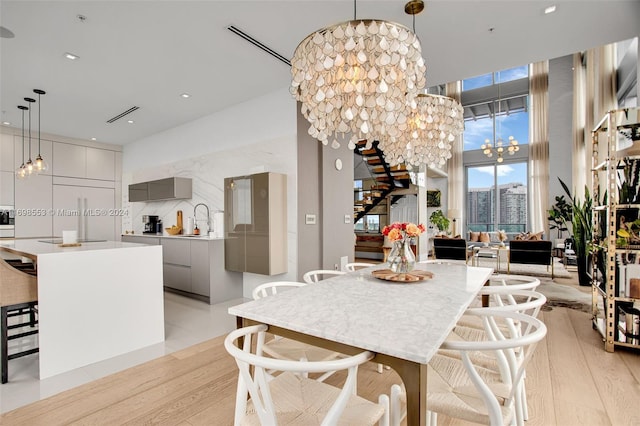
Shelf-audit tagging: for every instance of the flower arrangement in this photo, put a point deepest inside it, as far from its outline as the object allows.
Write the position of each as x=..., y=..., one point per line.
x=399, y=231
x=401, y=258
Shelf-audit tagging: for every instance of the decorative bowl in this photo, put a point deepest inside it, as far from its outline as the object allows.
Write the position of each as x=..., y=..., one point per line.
x=174, y=230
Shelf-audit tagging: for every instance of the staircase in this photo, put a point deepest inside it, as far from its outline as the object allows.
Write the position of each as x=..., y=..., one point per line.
x=388, y=179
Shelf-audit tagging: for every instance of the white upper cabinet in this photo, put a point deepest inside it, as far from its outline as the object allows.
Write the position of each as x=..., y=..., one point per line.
x=69, y=160
x=6, y=153
x=83, y=162
x=101, y=164
x=6, y=188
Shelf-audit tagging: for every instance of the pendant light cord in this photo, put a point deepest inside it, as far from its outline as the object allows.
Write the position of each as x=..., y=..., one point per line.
x=38, y=124
x=355, y=9
x=29, y=134
x=23, y=137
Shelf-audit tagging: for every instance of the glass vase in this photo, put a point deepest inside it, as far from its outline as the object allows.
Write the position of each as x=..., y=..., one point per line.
x=401, y=258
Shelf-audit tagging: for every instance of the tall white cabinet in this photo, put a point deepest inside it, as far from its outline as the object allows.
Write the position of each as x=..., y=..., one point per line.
x=78, y=192
x=95, y=208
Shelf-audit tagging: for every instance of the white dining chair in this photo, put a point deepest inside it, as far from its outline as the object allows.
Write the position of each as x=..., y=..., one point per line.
x=459, y=388
x=283, y=348
x=271, y=288
x=354, y=266
x=471, y=328
x=292, y=398
x=319, y=275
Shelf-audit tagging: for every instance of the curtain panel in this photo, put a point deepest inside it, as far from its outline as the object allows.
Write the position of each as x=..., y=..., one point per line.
x=539, y=147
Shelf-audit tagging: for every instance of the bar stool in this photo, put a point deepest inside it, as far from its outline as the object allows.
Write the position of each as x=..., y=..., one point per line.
x=18, y=297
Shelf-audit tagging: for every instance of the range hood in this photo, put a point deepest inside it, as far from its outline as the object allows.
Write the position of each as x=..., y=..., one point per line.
x=172, y=188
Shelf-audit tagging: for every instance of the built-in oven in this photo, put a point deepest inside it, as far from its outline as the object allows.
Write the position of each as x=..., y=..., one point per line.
x=7, y=221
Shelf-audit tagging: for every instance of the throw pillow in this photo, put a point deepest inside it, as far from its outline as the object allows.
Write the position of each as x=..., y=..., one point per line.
x=535, y=237
x=523, y=236
x=474, y=237
x=484, y=237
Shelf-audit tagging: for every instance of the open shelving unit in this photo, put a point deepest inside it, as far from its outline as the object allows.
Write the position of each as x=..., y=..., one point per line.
x=616, y=151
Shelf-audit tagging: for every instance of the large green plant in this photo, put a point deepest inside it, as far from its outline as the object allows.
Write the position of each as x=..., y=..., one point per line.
x=439, y=220
x=582, y=224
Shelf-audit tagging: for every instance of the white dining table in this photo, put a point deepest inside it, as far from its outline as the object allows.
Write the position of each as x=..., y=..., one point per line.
x=404, y=324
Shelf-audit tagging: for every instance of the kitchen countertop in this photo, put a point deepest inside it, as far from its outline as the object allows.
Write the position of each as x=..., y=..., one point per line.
x=186, y=237
x=32, y=248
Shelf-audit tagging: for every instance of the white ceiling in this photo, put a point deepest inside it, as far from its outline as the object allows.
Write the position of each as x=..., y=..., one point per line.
x=146, y=53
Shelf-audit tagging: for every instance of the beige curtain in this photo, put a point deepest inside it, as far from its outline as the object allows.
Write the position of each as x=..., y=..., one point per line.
x=600, y=97
x=578, y=175
x=455, y=168
x=539, y=147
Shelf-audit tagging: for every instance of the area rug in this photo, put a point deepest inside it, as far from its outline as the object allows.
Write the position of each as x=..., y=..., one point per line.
x=565, y=295
x=523, y=269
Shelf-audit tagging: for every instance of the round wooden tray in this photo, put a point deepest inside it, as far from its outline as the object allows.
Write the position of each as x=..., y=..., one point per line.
x=407, y=277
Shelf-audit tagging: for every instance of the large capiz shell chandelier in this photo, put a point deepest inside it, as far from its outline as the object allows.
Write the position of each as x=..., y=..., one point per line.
x=358, y=77
x=433, y=124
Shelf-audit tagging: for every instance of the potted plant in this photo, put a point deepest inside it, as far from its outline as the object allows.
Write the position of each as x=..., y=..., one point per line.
x=440, y=221
x=582, y=231
x=560, y=215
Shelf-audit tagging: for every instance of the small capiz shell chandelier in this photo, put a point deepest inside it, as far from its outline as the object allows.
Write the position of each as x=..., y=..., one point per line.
x=432, y=126
x=358, y=77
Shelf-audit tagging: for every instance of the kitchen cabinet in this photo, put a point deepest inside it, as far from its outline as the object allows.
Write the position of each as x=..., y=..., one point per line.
x=89, y=210
x=139, y=239
x=194, y=267
x=176, y=258
x=6, y=188
x=172, y=188
x=83, y=162
x=7, y=163
x=33, y=201
x=255, y=209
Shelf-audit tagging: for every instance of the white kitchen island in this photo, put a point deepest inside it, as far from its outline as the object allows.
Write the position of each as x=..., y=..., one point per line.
x=95, y=301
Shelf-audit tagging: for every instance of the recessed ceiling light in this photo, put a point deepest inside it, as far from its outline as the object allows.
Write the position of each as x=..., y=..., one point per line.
x=94, y=139
x=185, y=95
x=130, y=121
x=550, y=9
x=6, y=123
x=71, y=56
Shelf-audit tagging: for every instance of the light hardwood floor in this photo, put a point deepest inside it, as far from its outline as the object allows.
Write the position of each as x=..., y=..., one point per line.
x=571, y=381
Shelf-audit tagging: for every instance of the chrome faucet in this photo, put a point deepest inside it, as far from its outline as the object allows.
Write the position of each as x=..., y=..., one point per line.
x=208, y=215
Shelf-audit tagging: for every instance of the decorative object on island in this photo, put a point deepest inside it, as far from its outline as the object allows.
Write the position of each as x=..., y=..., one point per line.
x=401, y=259
x=357, y=77
x=40, y=165
x=440, y=221
x=454, y=214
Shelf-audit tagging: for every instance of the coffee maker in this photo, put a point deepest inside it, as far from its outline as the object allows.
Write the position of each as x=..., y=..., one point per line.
x=150, y=224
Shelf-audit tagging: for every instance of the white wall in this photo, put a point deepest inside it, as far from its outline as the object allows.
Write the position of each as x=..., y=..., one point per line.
x=252, y=137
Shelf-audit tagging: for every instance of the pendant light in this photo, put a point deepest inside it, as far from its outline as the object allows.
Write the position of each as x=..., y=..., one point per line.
x=29, y=163
x=39, y=165
x=355, y=78
x=21, y=172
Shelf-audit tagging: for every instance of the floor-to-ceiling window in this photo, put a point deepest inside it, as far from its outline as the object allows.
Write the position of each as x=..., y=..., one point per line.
x=496, y=112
